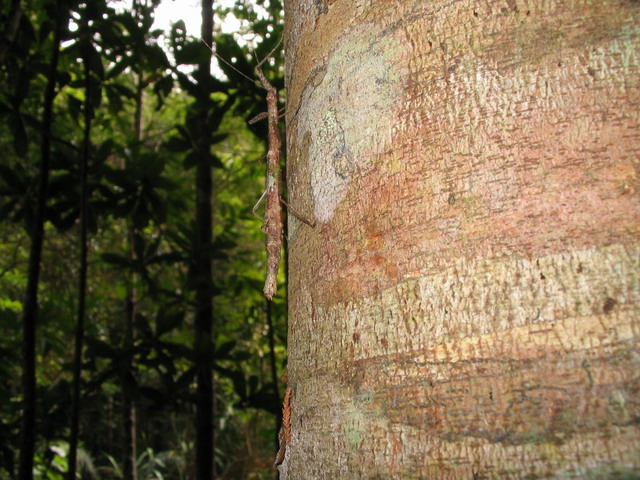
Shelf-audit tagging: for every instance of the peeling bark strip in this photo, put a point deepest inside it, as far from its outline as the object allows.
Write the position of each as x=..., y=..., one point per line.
x=284, y=435
x=273, y=216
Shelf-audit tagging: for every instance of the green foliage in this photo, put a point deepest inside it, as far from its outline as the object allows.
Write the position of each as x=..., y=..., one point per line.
x=141, y=203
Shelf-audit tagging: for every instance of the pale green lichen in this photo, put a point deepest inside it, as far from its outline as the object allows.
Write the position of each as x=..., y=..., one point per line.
x=348, y=110
x=354, y=426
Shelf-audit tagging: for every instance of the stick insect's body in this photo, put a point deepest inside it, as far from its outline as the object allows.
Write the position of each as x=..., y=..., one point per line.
x=273, y=228
x=273, y=215
x=273, y=221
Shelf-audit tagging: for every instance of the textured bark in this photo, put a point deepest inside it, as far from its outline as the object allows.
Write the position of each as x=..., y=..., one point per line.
x=468, y=305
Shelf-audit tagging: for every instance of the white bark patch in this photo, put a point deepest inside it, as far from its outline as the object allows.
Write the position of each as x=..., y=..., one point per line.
x=349, y=113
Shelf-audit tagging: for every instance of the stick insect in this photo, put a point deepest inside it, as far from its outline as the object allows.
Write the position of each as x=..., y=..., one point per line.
x=272, y=226
x=273, y=213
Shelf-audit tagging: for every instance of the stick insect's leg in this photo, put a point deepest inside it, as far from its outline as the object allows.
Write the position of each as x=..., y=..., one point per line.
x=255, y=207
x=300, y=217
x=270, y=183
x=258, y=117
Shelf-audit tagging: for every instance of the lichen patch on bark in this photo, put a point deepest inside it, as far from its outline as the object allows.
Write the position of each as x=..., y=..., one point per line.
x=364, y=79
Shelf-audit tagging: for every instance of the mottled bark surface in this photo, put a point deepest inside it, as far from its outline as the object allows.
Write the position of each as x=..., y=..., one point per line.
x=468, y=305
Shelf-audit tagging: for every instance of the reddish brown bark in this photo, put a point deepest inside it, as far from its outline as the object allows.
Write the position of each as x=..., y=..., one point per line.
x=468, y=304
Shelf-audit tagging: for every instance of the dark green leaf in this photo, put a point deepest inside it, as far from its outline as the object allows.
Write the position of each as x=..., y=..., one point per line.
x=123, y=90
x=117, y=260
x=23, y=84
x=166, y=258
x=185, y=380
x=162, y=89
x=167, y=322
x=75, y=106
x=253, y=384
x=237, y=378
x=95, y=61
x=155, y=57
x=190, y=160
x=63, y=79
x=176, y=350
x=222, y=352
x=216, y=162
x=118, y=68
x=177, y=144
x=104, y=150
x=115, y=102
x=99, y=348
x=191, y=88
x=219, y=137
x=10, y=176
x=192, y=53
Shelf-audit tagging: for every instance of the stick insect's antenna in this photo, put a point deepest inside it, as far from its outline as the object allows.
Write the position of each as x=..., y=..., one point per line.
x=252, y=80
x=267, y=56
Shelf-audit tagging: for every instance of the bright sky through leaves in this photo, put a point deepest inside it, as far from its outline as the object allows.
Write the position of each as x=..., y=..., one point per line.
x=170, y=11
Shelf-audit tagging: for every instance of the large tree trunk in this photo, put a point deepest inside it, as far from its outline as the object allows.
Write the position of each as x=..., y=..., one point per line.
x=468, y=305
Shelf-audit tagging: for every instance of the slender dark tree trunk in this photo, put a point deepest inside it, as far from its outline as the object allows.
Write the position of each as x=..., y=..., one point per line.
x=129, y=443
x=11, y=29
x=202, y=270
x=128, y=380
x=30, y=314
x=82, y=278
